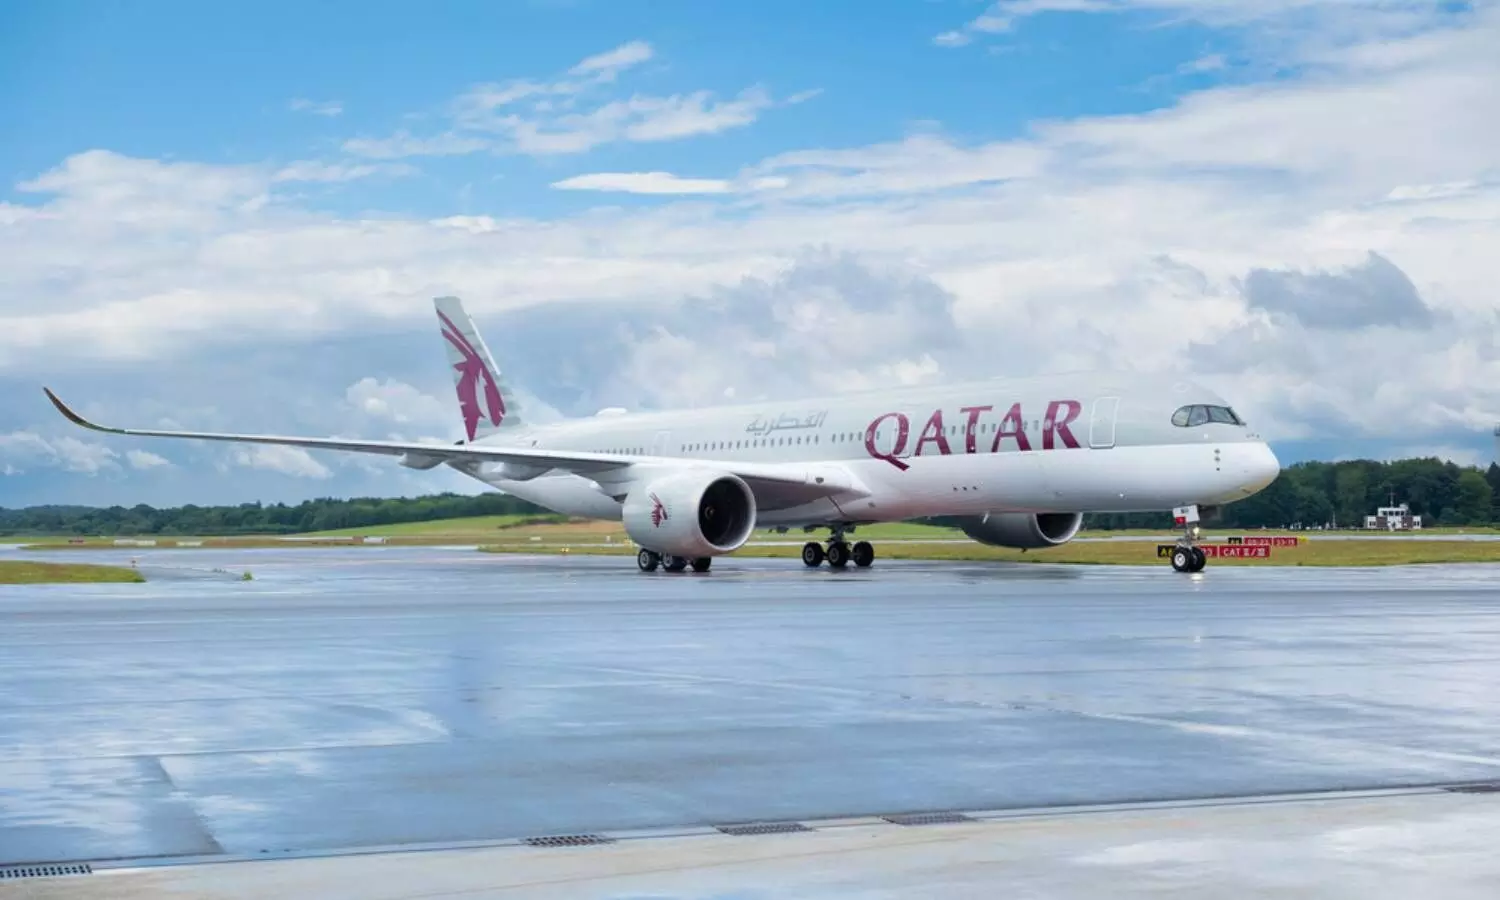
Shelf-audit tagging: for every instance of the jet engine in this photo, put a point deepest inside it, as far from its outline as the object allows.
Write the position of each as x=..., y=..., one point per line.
x=691, y=514
x=1022, y=531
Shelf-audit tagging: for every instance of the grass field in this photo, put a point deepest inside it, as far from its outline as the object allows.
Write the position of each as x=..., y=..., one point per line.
x=26, y=572
x=508, y=529
x=1327, y=553
x=555, y=534
x=477, y=530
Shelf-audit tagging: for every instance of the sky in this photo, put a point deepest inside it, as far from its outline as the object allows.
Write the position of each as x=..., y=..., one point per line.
x=234, y=217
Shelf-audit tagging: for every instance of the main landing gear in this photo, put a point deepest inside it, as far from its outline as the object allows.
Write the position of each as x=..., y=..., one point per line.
x=648, y=560
x=839, y=554
x=1187, y=556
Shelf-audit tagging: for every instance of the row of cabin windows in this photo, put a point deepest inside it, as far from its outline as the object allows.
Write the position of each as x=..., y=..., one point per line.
x=840, y=438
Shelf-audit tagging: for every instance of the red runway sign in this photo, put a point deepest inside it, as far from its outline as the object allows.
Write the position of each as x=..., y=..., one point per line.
x=1277, y=541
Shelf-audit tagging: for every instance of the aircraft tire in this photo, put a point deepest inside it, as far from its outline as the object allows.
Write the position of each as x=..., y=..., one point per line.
x=838, y=554
x=1183, y=559
x=676, y=563
x=648, y=560
x=702, y=563
x=812, y=554
x=1200, y=559
x=863, y=554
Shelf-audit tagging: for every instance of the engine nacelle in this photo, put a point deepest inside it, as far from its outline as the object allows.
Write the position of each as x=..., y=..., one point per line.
x=691, y=514
x=1022, y=531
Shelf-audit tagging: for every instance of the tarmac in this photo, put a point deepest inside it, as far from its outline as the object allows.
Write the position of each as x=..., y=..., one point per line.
x=1068, y=730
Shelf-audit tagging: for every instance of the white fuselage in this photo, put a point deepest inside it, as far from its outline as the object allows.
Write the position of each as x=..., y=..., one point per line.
x=1079, y=443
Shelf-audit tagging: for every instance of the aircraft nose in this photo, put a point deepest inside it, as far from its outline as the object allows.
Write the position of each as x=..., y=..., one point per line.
x=1261, y=467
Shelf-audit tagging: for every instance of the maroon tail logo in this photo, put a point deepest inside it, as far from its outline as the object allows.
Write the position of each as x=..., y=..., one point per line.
x=658, y=511
x=470, y=371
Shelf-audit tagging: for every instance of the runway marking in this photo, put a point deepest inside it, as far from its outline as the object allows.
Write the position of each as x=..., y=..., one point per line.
x=152, y=765
x=1243, y=731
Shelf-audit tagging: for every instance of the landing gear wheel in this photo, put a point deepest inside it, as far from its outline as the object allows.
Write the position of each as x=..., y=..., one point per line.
x=676, y=563
x=864, y=554
x=838, y=554
x=1187, y=556
x=702, y=563
x=648, y=560
x=812, y=554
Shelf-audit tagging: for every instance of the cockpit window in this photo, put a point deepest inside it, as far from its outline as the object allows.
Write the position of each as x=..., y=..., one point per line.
x=1202, y=414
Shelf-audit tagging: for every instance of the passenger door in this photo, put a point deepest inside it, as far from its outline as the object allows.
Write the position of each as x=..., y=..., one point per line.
x=1102, y=423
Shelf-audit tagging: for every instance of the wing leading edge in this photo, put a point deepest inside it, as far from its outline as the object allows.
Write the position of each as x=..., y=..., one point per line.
x=810, y=482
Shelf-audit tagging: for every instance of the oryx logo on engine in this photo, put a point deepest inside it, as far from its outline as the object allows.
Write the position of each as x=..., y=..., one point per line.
x=658, y=511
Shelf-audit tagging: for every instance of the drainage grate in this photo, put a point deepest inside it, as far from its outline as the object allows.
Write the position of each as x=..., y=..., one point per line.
x=763, y=828
x=8, y=873
x=569, y=840
x=1490, y=788
x=936, y=818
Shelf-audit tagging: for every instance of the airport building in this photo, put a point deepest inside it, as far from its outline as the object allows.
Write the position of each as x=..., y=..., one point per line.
x=1393, y=518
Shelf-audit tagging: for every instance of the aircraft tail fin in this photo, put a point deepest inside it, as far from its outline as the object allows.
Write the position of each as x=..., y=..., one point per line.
x=485, y=401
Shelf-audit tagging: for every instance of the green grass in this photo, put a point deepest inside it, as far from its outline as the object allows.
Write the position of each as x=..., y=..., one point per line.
x=27, y=572
x=1373, y=552
x=526, y=532
x=474, y=525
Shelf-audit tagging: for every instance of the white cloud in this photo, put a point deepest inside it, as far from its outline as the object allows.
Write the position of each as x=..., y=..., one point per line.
x=21, y=450
x=614, y=61
x=399, y=403
x=142, y=460
x=292, y=461
x=1213, y=62
x=403, y=144
x=311, y=171
x=1463, y=456
x=1103, y=241
x=317, y=107
x=1297, y=25
x=553, y=117
x=643, y=183
x=919, y=163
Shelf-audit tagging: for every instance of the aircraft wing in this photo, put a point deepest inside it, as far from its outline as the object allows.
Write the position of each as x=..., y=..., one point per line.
x=787, y=483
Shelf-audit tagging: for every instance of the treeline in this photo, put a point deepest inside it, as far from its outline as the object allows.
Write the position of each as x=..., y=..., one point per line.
x=1341, y=494
x=1306, y=495
x=254, y=518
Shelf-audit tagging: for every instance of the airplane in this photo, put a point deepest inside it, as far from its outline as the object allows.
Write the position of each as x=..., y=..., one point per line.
x=1013, y=462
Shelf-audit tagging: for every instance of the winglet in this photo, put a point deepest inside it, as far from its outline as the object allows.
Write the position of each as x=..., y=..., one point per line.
x=74, y=417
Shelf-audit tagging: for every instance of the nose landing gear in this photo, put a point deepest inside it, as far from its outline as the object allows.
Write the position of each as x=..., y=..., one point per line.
x=1187, y=556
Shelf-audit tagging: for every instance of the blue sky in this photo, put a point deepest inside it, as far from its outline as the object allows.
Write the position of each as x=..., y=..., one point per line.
x=213, y=82
x=267, y=196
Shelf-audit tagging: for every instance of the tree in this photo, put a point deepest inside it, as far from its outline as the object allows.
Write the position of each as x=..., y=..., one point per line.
x=1351, y=491
x=253, y=518
x=1493, y=477
x=1474, y=498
